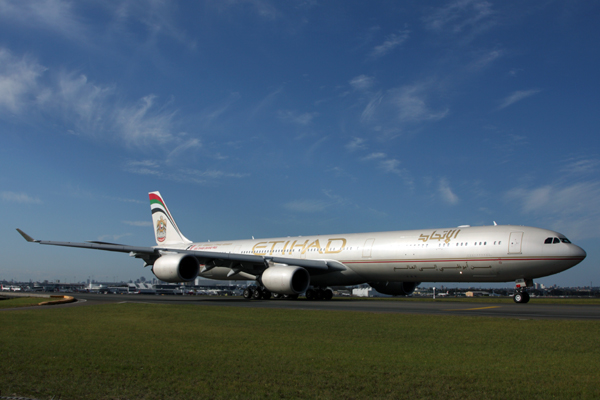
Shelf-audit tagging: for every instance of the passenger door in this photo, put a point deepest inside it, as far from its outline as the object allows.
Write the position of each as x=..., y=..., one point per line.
x=515, y=243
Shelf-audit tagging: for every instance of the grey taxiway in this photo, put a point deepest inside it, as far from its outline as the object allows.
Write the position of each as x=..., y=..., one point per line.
x=443, y=307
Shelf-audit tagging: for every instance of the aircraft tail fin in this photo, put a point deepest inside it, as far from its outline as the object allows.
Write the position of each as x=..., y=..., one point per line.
x=165, y=228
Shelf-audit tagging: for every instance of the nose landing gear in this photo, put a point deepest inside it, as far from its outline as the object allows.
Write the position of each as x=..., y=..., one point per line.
x=521, y=295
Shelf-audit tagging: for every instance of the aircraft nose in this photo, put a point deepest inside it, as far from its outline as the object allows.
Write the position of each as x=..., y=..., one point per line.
x=578, y=252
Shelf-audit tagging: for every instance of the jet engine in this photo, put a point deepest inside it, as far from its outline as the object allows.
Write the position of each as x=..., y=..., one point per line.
x=176, y=268
x=395, y=288
x=286, y=279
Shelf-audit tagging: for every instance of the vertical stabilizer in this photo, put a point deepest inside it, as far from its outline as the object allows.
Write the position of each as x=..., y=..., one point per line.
x=165, y=228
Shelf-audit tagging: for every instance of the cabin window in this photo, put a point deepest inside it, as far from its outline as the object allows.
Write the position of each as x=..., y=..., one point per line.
x=548, y=240
x=556, y=240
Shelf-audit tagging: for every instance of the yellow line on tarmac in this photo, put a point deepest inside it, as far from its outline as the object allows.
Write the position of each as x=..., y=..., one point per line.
x=470, y=309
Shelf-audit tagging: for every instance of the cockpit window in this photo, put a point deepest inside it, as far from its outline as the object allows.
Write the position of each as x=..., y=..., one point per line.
x=554, y=240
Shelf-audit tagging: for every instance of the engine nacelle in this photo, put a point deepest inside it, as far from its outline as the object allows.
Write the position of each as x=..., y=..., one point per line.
x=395, y=288
x=286, y=279
x=176, y=268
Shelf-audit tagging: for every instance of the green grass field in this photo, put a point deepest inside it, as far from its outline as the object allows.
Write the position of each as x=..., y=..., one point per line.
x=21, y=302
x=138, y=351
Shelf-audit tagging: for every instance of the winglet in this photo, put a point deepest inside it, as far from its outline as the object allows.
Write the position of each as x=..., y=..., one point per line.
x=26, y=236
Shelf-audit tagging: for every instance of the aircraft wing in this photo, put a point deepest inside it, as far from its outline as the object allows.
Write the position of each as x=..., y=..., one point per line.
x=234, y=259
x=240, y=262
x=95, y=245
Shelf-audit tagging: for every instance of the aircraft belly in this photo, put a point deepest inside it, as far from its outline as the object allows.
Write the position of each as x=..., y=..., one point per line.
x=220, y=273
x=347, y=277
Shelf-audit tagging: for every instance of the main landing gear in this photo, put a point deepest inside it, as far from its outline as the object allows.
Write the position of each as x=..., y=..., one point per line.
x=262, y=293
x=521, y=295
x=319, y=294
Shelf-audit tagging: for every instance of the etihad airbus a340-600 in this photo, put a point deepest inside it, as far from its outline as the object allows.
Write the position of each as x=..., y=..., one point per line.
x=393, y=263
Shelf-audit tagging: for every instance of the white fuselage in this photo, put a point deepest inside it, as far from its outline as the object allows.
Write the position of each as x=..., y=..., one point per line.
x=464, y=254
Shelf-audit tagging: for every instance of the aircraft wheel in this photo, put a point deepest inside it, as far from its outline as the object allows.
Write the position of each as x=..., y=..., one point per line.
x=310, y=294
x=248, y=293
x=327, y=294
x=277, y=296
x=266, y=294
x=257, y=295
x=518, y=297
x=525, y=297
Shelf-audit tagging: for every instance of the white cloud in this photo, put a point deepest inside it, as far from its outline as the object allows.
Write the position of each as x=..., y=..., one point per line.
x=374, y=156
x=296, y=118
x=581, y=166
x=262, y=7
x=411, y=104
x=155, y=15
x=362, y=82
x=190, y=144
x=211, y=114
x=142, y=123
x=517, y=96
x=391, y=42
x=112, y=238
x=371, y=108
x=158, y=170
x=142, y=224
x=22, y=198
x=486, y=59
x=54, y=15
x=399, y=107
x=572, y=209
x=211, y=174
x=446, y=192
x=18, y=81
x=356, y=144
x=268, y=100
x=460, y=16
x=64, y=18
x=88, y=108
x=122, y=200
x=390, y=166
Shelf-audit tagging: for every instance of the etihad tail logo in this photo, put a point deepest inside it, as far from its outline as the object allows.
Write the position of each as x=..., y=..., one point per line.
x=161, y=230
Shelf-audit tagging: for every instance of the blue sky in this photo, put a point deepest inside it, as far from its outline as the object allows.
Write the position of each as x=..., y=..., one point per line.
x=266, y=118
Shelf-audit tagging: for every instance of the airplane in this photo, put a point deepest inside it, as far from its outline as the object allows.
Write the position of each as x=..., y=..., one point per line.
x=393, y=263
